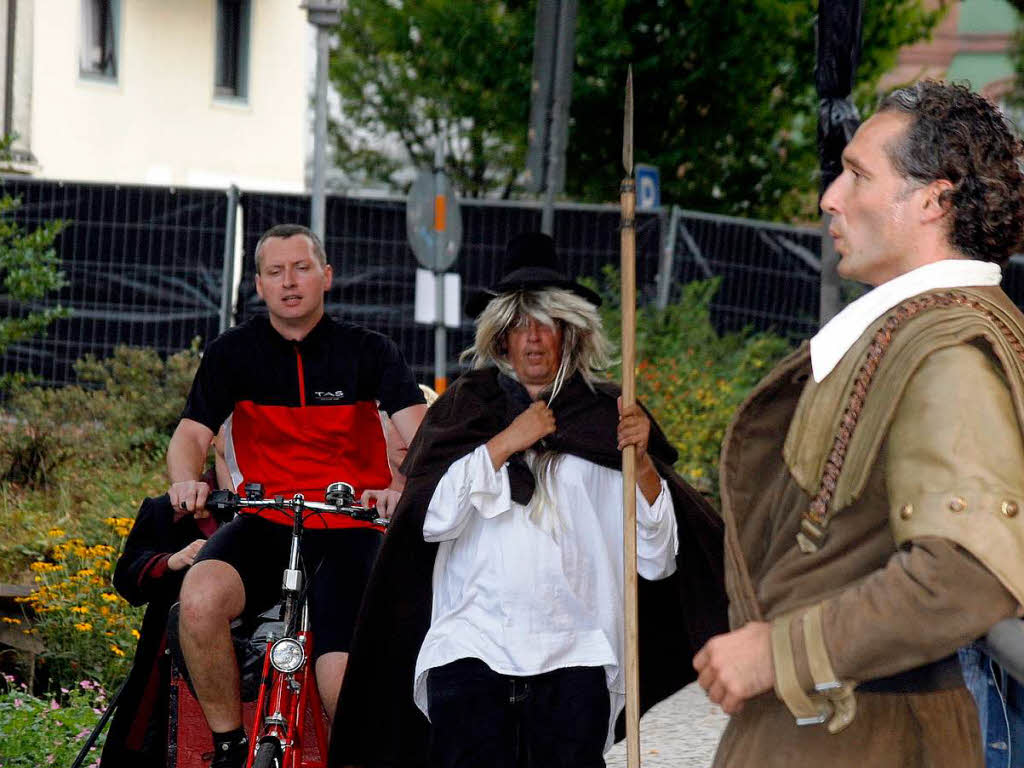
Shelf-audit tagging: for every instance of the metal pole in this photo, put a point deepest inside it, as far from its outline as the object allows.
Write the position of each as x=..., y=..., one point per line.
x=668, y=255
x=227, y=277
x=440, y=243
x=565, y=52
x=830, y=297
x=319, y=132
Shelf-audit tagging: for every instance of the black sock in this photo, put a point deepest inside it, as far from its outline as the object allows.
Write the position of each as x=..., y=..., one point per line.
x=229, y=740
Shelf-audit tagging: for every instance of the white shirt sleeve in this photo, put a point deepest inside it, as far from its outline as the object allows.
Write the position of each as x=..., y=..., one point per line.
x=657, y=536
x=471, y=485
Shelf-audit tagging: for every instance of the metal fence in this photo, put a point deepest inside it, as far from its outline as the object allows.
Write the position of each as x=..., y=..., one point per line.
x=143, y=266
x=153, y=266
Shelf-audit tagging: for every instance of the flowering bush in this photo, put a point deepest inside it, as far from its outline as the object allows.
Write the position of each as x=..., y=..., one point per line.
x=48, y=731
x=87, y=628
x=688, y=375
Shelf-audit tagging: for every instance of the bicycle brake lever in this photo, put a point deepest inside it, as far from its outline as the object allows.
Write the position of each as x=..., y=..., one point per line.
x=223, y=504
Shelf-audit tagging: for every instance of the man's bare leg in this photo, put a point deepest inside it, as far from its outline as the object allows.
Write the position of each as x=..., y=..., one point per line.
x=212, y=596
x=330, y=671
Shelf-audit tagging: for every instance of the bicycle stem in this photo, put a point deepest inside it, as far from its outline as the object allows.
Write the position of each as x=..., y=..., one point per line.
x=291, y=583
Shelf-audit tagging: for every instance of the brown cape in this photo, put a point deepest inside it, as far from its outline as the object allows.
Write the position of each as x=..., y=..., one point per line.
x=377, y=723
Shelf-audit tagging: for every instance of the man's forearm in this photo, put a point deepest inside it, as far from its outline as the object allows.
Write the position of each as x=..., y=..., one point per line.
x=184, y=462
x=874, y=629
x=186, y=453
x=648, y=479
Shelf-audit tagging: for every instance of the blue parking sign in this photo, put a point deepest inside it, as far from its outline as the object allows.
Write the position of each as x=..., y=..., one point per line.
x=648, y=188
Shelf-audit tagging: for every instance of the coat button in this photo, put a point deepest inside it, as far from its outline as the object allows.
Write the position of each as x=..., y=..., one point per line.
x=906, y=511
x=957, y=504
x=1009, y=508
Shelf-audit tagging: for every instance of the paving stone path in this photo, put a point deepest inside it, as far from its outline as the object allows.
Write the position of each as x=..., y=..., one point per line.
x=680, y=732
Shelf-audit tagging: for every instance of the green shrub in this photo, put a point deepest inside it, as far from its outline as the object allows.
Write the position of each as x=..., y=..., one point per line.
x=126, y=409
x=690, y=377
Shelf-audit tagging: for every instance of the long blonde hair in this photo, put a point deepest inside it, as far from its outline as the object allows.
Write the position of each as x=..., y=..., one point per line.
x=585, y=348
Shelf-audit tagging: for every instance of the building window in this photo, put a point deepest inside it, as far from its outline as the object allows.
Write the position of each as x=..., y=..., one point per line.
x=231, y=73
x=98, y=56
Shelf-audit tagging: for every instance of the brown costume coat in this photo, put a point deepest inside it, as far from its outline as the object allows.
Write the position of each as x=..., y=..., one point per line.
x=917, y=525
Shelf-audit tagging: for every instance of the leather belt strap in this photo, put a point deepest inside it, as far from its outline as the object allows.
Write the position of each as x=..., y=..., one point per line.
x=940, y=675
x=817, y=655
x=787, y=686
x=826, y=683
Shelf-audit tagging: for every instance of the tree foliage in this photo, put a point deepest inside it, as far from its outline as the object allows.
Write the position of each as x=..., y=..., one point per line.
x=29, y=269
x=406, y=70
x=725, y=101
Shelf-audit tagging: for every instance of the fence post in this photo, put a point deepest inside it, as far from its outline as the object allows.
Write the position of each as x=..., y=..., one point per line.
x=668, y=254
x=227, y=280
x=830, y=300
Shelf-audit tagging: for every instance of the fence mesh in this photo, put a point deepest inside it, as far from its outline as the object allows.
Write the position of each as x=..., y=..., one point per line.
x=375, y=270
x=770, y=274
x=145, y=265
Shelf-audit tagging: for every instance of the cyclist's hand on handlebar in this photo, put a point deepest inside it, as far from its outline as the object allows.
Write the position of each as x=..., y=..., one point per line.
x=185, y=557
x=188, y=497
x=386, y=501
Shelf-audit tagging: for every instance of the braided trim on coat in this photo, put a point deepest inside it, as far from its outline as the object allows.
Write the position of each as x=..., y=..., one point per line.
x=814, y=525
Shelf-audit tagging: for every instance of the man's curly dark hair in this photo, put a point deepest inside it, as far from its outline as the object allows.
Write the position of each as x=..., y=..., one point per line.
x=957, y=135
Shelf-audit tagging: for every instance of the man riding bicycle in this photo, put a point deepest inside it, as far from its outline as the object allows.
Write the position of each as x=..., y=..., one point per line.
x=298, y=393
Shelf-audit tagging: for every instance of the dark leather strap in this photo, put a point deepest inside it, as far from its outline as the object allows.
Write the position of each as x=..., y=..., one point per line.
x=940, y=675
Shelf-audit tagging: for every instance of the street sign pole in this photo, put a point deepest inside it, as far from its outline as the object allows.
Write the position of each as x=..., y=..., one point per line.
x=440, y=245
x=323, y=14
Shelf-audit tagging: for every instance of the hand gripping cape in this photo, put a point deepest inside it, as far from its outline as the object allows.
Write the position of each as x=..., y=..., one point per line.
x=377, y=723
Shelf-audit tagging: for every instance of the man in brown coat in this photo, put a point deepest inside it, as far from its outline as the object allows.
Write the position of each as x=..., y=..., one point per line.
x=872, y=483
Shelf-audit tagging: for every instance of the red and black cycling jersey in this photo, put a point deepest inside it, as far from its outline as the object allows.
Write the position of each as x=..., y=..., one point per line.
x=301, y=415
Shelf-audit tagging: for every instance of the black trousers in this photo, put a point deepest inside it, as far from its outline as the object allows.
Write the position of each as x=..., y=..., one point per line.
x=479, y=718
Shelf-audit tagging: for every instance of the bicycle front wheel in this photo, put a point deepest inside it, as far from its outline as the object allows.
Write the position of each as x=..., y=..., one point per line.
x=268, y=755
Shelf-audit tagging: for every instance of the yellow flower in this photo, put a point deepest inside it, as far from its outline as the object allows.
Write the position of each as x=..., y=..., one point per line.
x=109, y=597
x=55, y=533
x=9, y=620
x=135, y=634
x=117, y=651
x=86, y=572
x=83, y=626
x=79, y=609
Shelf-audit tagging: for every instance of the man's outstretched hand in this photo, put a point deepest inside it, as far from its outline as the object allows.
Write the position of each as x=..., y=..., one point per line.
x=736, y=666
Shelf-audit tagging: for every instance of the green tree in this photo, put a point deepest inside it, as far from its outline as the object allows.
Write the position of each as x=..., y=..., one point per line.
x=725, y=98
x=406, y=69
x=29, y=269
x=725, y=101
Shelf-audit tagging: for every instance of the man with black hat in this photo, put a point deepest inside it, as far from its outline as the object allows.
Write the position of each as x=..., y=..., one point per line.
x=497, y=598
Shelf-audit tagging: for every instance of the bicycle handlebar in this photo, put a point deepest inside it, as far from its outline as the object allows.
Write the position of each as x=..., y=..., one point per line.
x=340, y=502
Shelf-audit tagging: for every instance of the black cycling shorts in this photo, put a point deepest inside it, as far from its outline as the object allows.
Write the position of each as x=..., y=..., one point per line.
x=337, y=564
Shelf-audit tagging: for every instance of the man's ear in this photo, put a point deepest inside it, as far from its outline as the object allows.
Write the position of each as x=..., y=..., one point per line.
x=934, y=205
x=259, y=286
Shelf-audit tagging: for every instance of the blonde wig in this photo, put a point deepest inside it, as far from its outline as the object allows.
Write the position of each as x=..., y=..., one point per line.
x=585, y=348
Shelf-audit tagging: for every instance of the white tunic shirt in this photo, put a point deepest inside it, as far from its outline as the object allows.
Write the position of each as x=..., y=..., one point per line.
x=526, y=601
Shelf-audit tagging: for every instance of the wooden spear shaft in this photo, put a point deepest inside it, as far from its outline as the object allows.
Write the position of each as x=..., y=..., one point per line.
x=628, y=271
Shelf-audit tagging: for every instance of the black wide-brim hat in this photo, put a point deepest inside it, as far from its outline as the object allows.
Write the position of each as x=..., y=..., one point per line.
x=529, y=264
